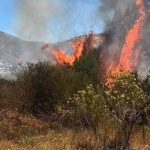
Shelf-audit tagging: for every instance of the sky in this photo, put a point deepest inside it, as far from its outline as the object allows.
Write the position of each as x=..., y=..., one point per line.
x=7, y=15
x=49, y=20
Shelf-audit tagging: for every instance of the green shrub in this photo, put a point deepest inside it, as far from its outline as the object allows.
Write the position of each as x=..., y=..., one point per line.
x=127, y=93
x=129, y=105
x=91, y=106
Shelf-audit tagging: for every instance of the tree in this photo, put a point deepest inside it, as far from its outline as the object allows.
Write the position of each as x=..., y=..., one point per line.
x=89, y=64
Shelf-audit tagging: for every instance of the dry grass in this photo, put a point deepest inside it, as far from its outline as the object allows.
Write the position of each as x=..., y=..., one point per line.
x=140, y=140
x=54, y=140
x=8, y=145
x=25, y=132
x=63, y=140
x=14, y=124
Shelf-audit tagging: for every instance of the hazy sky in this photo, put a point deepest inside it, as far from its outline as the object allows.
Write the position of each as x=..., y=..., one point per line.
x=49, y=20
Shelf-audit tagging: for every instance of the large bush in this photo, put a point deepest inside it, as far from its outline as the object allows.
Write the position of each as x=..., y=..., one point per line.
x=43, y=86
x=129, y=105
x=125, y=102
x=127, y=95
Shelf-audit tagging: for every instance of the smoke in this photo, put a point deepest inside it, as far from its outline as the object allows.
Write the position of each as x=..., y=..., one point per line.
x=55, y=20
x=33, y=16
x=108, y=8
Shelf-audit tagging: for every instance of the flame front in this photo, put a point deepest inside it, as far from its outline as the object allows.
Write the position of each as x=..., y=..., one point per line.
x=63, y=58
x=129, y=55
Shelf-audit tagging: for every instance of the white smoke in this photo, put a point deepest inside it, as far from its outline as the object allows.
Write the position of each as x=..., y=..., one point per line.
x=54, y=20
x=33, y=15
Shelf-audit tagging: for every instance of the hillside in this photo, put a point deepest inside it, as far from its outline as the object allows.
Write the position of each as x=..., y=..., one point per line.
x=14, y=51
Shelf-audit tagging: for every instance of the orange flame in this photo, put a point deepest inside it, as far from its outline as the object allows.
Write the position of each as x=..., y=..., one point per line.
x=63, y=58
x=129, y=57
x=128, y=60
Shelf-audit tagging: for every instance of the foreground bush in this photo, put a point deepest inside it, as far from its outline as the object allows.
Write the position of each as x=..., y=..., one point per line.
x=129, y=105
x=126, y=103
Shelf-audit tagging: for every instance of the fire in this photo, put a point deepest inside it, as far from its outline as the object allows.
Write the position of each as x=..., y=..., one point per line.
x=128, y=58
x=129, y=55
x=63, y=58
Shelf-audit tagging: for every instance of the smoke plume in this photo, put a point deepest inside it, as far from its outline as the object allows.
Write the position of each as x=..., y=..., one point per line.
x=55, y=20
x=33, y=17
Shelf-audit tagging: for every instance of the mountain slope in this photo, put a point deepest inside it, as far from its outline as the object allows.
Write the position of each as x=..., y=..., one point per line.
x=14, y=51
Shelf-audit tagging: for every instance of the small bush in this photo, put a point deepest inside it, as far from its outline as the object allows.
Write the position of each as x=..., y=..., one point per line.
x=91, y=106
